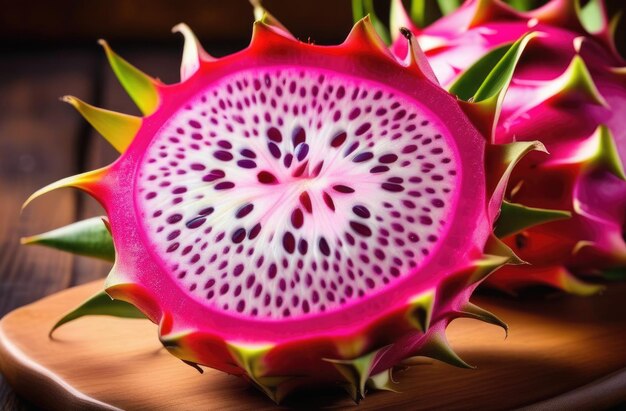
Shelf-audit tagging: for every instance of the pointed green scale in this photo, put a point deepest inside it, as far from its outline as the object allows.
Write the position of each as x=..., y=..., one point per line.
x=357, y=372
x=250, y=358
x=100, y=304
x=577, y=81
x=607, y=155
x=383, y=381
x=139, y=86
x=438, y=348
x=471, y=310
x=495, y=246
x=82, y=181
x=487, y=265
x=483, y=85
x=500, y=161
x=89, y=237
x=421, y=309
x=517, y=217
x=264, y=16
x=117, y=128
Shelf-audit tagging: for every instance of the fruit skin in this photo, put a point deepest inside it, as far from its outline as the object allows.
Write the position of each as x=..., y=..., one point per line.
x=358, y=347
x=569, y=92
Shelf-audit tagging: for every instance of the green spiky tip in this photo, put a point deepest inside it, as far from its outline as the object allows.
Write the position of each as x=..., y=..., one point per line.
x=99, y=304
x=607, y=154
x=117, y=128
x=141, y=87
x=89, y=237
x=517, y=217
x=577, y=80
x=421, y=309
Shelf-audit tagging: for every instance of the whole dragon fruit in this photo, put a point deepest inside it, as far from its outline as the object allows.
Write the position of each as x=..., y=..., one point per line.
x=568, y=91
x=296, y=215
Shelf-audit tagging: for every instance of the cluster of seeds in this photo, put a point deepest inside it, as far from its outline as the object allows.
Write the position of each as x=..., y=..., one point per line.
x=282, y=192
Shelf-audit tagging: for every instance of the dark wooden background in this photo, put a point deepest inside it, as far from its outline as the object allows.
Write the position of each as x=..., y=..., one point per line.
x=48, y=49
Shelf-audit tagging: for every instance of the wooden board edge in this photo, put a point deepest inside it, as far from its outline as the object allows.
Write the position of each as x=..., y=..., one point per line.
x=21, y=372
x=55, y=393
x=603, y=393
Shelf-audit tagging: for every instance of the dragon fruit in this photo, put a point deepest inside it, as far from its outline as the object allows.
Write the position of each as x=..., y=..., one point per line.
x=568, y=91
x=296, y=215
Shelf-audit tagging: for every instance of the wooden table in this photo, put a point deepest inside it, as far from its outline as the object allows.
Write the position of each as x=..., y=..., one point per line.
x=42, y=140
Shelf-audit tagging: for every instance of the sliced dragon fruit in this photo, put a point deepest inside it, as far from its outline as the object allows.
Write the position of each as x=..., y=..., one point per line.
x=297, y=214
x=568, y=91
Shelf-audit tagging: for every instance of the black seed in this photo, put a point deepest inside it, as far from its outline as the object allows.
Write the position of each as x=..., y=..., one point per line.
x=297, y=218
x=437, y=202
x=303, y=246
x=225, y=185
x=361, y=228
x=426, y=220
x=302, y=151
x=274, y=134
x=354, y=113
x=274, y=150
x=289, y=242
x=298, y=136
x=350, y=149
x=388, y=158
x=328, y=200
x=362, y=129
x=223, y=155
x=395, y=188
x=244, y=210
x=287, y=160
x=271, y=271
x=238, y=235
x=343, y=189
x=361, y=211
x=174, y=218
x=359, y=158
x=255, y=231
x=225, y=144
x=265, y=177
x=196, y=222
x=379, y=169
x=338, y=139
x=246, y=164
x=305, y=200
x=324, y=248
x=409, y=149
x=214, y=175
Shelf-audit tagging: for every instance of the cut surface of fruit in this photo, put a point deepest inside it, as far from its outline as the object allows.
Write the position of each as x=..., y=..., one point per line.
x=299, y=215
x=281, y=192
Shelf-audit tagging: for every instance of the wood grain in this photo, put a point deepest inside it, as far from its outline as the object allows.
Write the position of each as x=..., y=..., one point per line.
x=554, y=349
x=38, y=138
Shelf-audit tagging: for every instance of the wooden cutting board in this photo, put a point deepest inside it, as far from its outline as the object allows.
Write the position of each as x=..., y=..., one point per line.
x=564, y=353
